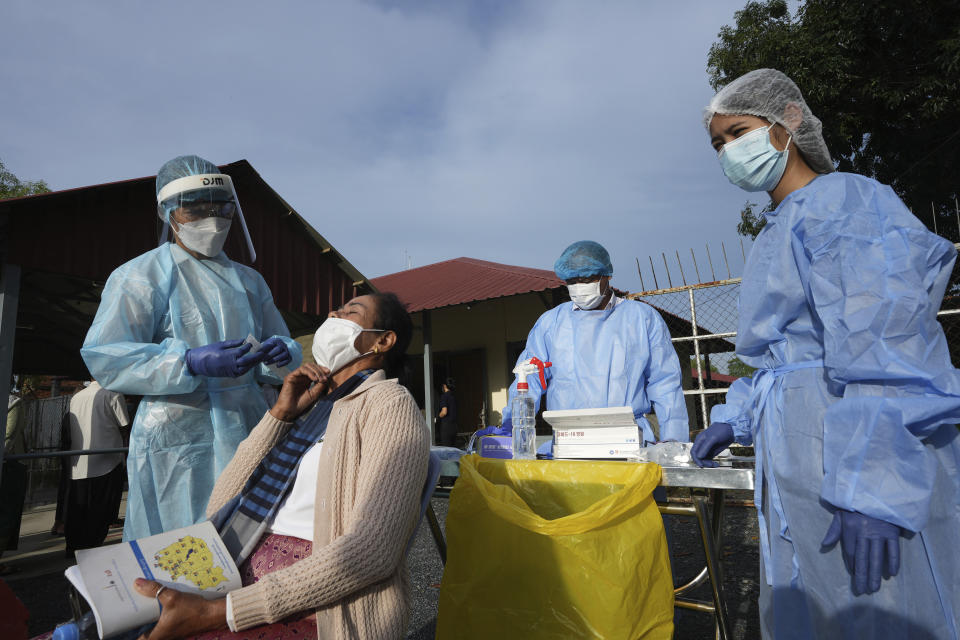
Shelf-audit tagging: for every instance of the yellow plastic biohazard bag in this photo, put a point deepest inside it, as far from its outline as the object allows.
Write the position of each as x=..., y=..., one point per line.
x=555, y=549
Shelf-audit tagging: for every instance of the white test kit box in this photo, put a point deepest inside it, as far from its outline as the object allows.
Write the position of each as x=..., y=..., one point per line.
x=606, y=432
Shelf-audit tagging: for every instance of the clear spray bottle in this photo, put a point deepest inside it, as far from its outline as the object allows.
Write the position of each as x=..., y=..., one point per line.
x=523, y=411
x=524, y=418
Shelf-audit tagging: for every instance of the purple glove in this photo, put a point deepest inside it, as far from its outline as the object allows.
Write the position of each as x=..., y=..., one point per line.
x=275, y=351
x=871, y=548
x=710, y=442
x=494, y=431
x=227, y=359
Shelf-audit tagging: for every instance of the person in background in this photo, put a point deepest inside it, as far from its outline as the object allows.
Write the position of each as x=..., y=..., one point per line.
x=171, y=326
x=319, y=503
x=13, y=484
x=96, y=417
x=853, y=407
x=447, y=416
x=14, y=441
x=606, y=351
x=63, y=483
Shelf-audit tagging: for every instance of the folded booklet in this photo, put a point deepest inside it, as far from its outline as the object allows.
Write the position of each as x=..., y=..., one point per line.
x=192, y=559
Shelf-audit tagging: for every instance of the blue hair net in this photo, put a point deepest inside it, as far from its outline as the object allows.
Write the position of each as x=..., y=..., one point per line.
x=583, y=259
x=181, y=167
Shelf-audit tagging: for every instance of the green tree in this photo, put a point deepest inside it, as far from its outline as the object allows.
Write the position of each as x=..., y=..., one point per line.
x=13, y=187
x=739, y=369
x=883, y=77
x=694, y=367
x=750, y=222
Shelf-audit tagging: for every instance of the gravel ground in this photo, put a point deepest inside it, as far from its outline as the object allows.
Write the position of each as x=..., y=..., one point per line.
x=45, y=595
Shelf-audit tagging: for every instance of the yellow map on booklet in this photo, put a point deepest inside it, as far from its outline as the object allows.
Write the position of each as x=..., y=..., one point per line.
x=190, y=557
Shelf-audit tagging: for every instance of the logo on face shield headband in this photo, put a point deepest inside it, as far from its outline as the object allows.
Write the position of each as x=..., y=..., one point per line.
x=212, y=181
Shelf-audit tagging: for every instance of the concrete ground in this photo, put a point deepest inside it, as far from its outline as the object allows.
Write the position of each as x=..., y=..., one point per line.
x=41, y=586
x=39, y=563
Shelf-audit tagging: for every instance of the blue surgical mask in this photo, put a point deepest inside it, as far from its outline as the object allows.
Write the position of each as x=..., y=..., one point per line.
x=752, y=162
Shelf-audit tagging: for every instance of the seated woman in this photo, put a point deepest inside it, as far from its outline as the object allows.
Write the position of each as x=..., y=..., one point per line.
x=320, y=500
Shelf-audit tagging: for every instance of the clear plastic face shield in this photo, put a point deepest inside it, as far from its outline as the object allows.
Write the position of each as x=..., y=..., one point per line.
x=202, y=201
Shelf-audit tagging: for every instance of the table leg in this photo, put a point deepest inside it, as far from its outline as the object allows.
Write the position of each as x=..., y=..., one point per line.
x=709, y=534
x=437, y=533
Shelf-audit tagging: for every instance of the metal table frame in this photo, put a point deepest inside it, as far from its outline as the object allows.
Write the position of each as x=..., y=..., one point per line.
x=706, y=508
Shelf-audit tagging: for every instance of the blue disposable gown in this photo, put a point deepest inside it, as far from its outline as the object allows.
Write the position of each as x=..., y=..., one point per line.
x=187, y=427
x=853, y=407
x=614, y=357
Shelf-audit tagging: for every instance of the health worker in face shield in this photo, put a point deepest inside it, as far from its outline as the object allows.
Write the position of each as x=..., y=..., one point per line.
x=171, y=327
x=606, y=351
x=852, y=410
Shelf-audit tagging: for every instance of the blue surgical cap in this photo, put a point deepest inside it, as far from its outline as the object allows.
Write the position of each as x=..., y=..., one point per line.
x=583, y=259
x=181, y=167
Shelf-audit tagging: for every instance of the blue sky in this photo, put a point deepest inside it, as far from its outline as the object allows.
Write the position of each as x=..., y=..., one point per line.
x=501, y=130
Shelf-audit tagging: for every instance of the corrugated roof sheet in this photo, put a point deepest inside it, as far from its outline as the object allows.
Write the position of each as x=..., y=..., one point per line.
x=463, y=280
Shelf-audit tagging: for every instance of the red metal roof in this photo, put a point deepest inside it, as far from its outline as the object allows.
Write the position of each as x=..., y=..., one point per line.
x=463, y=280
x=712, y=375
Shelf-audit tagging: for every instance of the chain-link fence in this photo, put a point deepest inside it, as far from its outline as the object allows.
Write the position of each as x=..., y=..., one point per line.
x=42, y=421
x=702, y=319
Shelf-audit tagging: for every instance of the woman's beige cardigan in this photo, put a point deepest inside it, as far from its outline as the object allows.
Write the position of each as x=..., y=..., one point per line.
x=372, y=468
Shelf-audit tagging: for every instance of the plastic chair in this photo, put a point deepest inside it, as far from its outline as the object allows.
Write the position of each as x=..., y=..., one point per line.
x=433, y=474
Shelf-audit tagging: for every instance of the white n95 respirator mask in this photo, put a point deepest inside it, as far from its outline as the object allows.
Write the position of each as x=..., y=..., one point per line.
x=585, y=295
x=214, y=195
x=333, y=343
x=206, y=236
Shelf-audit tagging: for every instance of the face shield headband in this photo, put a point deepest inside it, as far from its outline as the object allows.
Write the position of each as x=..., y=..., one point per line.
x=181, y=190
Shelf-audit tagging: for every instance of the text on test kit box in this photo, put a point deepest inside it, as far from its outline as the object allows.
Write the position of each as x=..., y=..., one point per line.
x=496, y=447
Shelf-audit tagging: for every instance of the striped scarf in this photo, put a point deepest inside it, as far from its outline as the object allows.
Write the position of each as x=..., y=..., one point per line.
x=244, y=519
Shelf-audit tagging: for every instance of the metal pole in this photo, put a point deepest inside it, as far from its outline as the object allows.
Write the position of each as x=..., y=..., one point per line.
x=9, y=299
x=695, y=266
x=669, y=279
x=65, y=454
x=725, y=261
x=680, y=264
x=656, y=284
x=428, y=376
x=640, y=273
x=713, y=276
x=956, y=206
x=696, y=355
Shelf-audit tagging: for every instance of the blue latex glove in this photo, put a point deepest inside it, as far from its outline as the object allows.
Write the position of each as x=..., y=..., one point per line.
x=871, y=548
x=227, y=359
x=710, y=442
x=275, y=351
x=495, y=431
